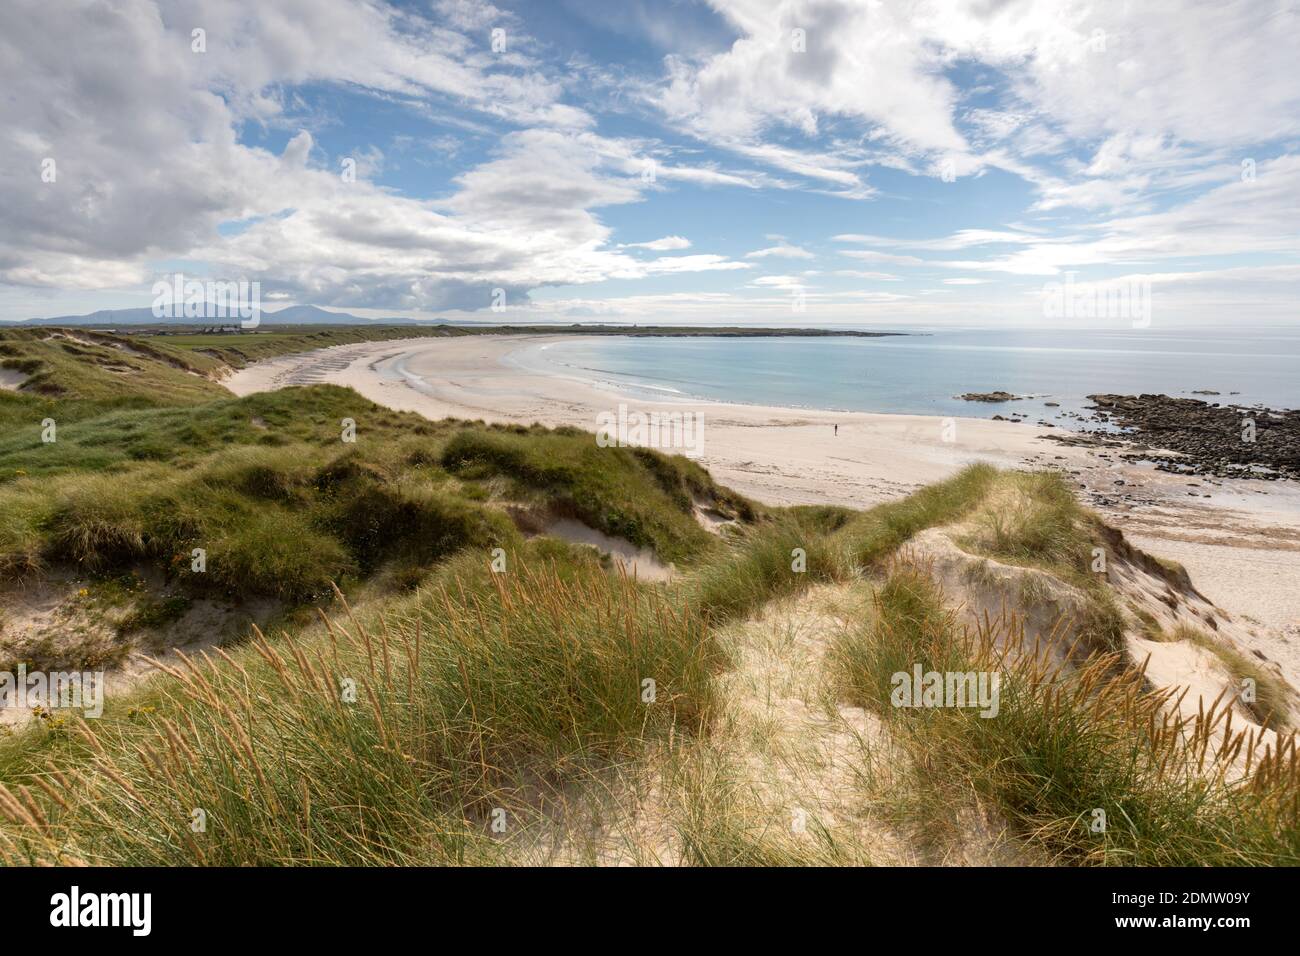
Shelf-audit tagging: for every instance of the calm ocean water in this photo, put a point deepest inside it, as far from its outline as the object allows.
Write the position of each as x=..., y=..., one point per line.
x=921, y=374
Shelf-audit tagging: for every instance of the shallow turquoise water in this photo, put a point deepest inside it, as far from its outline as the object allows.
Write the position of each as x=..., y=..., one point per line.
x=921, y=374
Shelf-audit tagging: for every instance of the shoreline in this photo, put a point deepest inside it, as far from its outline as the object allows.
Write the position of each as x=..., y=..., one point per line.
x=1240, y=543
x=474, y=379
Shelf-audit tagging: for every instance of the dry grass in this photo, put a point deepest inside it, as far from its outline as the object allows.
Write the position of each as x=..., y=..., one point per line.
x=401, y=735
x=383, y=744
x=1032, y=519
x=1272, y=698
x=1067, y=742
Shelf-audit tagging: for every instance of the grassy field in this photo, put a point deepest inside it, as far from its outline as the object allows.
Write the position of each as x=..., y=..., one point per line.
x=448, y=684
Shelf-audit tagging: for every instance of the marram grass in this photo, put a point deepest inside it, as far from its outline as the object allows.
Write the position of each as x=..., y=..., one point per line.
x=388, y=743
x=1068, y=742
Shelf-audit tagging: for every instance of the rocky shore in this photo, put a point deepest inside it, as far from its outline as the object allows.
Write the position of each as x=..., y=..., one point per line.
x=1226, y=441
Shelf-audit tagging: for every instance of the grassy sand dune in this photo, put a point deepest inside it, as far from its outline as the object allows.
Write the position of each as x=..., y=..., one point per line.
x=445, y=683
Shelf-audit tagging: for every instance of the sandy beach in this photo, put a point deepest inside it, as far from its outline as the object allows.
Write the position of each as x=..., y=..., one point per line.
x=1239, y=540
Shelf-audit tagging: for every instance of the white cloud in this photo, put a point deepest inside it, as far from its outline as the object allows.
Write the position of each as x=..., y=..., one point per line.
x=962, y=239
x=779, y=282
x=517, y=222
x=666, y=244
x=149, y=162
x=1239, y=217
x=1132, y=143
x=859, y=274
x=850, y=60
x=1129, y=81
x=781, y=251
x=698, y=263
x=874, y=255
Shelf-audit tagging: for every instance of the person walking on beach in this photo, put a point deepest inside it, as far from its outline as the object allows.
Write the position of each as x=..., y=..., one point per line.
x=837, y=429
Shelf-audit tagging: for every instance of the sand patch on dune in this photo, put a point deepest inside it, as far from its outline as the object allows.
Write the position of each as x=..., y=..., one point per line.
x=1041, y=612
x=641, y=563
x=11, y=379
x=63, y=622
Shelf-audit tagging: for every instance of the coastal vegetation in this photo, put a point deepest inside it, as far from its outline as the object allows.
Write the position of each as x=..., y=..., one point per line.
x=387, y=655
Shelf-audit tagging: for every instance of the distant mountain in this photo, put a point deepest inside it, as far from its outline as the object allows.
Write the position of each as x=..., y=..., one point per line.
x=290, y=315
x=102, y=317
x=312, y=315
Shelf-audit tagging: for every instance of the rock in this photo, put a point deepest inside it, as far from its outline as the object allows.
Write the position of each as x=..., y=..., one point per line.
x=998, y=396
x=1210, y=439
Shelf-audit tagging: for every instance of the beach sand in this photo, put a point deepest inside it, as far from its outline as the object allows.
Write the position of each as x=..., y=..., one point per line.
x=1239, y=540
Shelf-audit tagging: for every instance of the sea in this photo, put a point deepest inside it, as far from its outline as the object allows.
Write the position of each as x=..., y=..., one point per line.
x=924, y=372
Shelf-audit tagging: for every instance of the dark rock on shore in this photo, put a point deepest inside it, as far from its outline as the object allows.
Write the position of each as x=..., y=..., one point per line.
x=998, y=396
x=1223, y=440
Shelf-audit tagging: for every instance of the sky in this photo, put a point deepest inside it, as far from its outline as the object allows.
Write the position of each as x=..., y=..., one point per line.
x=786, y=162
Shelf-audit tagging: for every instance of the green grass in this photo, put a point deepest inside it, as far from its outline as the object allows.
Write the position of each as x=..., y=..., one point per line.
x=116, y=440
x=827, y=543
x=70, y=380
x=1064, y=743
x=284, y=508
x=780, y=557
x=76, y=374
x=393, y=734
x=272, y=521
x=1032, y=519
x=463, y=692
x=875, y=534
x=910, y=626
x=634, y=494
x=238, y=350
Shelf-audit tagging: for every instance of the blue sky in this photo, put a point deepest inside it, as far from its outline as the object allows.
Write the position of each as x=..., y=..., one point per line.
x=794, y=162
